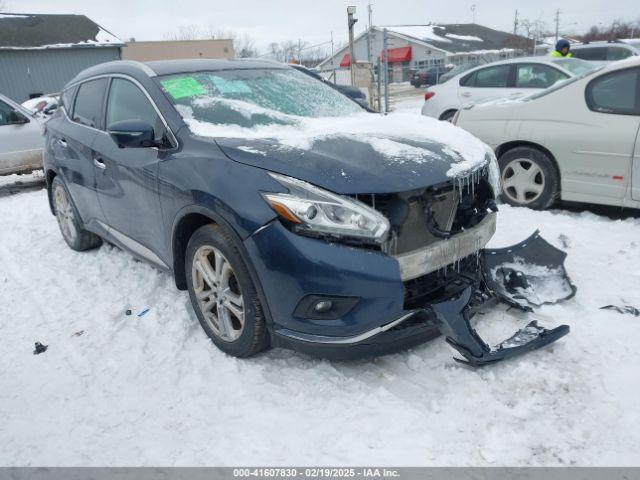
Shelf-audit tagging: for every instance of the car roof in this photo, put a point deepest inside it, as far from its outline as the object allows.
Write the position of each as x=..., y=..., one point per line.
x=169, y=67
x=603, y=43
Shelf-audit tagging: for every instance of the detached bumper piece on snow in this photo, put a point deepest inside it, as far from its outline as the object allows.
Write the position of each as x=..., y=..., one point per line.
x=529, y=273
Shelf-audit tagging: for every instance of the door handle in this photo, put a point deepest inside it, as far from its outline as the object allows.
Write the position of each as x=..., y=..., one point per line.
x=99, y=162
x=62, y=142
x=466, y=94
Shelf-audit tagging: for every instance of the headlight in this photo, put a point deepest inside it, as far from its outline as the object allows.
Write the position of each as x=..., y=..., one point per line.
x=312, y=210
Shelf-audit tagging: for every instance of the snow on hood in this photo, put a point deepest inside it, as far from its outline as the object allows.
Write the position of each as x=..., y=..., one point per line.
x=389, y=135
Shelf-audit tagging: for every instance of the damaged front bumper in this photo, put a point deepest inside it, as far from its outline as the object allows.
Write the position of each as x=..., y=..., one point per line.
x=528, y=274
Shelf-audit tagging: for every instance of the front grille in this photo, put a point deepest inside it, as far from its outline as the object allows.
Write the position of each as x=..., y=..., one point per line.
x=421, y=217
x=424, y=290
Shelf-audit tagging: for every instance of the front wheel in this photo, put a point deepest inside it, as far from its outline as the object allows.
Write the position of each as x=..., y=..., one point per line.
x=529, y=178
x=223, y=294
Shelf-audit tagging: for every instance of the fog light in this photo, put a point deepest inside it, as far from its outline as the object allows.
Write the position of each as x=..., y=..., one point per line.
x=323, y=306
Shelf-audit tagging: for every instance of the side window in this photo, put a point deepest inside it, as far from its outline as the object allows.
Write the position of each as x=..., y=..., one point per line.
x=468, y=80
x=616, y=92
x=618, y=53
x=67, y=99
x=594, y=53
x=492, y=77
x=5, y=113
x=89, y=100
x=532, y=75
x=127, y=102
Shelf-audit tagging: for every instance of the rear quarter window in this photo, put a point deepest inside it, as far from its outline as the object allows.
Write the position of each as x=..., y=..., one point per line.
x=615, y=93
x=89, y=101
x=591, y=53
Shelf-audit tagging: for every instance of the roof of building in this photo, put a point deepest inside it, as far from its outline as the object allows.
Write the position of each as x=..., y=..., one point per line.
x=461, y=37
x=22, y=31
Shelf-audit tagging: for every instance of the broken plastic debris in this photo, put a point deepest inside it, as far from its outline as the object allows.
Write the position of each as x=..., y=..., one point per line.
x=144, y=312
x=623, y=309
x=40, y=348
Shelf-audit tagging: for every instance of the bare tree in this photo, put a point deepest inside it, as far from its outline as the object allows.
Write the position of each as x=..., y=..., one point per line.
x=617, y=29
x=534, y=30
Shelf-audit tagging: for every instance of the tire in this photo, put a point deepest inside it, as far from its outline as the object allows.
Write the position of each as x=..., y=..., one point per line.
x=223, y=294
x=448, y=116
x=529, y=178
x=69, y=222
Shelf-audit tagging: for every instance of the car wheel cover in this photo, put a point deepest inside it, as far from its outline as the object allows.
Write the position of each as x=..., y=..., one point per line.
x=218, y=293
x=523, y=181
x=65, y=214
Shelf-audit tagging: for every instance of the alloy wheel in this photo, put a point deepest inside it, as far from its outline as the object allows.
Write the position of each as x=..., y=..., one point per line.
x=65, y=214
x=523, y=181
x=218, y=293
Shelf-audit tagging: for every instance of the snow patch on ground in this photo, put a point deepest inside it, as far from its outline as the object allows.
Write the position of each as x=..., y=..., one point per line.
x=36, y=176
x=153, y=390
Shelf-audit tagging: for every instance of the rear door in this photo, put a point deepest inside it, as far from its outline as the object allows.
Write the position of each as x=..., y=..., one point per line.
x=484, y=84
x=127, y=178
x=601, y=155
x=71, y=137
x=21, y=141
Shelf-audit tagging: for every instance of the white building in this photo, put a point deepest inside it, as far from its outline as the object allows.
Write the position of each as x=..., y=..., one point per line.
x=417, y=47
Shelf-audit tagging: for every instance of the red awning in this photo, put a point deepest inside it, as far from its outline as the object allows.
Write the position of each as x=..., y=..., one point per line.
x=400, y=54
x=346, y=60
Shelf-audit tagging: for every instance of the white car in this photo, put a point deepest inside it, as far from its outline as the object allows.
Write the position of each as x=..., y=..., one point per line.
x=21, y=140
x=578, y=140
x=43, y=106
x=514, y=77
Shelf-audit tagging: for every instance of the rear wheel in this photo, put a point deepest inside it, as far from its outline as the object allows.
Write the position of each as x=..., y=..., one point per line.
x=529, y=178
x=223, y=294
x=69, y=221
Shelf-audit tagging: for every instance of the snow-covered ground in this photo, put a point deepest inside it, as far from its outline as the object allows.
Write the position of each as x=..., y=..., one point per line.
x=114, y=389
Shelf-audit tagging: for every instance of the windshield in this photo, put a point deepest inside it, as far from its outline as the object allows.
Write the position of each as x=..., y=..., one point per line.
x=254, y=97
x=575, y=65
x=562, y=84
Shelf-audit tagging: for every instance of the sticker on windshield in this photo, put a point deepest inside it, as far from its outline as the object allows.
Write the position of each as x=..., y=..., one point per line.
x=225, y=86
x=183, y=87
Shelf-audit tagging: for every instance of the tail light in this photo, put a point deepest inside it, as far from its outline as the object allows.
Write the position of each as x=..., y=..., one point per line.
x=428, y=95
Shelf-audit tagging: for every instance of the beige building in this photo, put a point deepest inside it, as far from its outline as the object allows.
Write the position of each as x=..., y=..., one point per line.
x=173, y=49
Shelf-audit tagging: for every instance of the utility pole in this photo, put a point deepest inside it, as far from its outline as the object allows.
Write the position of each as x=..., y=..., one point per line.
x=557, y=24
x=333, y=66
x=351, y=10
x=515, y=23
x=369, y=45
x=473, y=13
x=385, y=52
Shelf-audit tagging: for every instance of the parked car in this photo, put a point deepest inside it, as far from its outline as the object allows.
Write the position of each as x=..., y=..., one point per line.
x=21, y=140
x=457, y=70
x=512, y=77
x=291, y=215
x=429, y=76
x=354, y=93
x=43, y=106
x=605, y=51
x=576, y=141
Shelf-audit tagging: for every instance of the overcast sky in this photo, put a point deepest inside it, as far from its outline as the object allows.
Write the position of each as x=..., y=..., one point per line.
x=314, y=20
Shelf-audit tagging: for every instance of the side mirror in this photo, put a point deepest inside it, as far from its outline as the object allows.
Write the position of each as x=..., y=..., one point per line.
x=17, y=118
x=132, y=134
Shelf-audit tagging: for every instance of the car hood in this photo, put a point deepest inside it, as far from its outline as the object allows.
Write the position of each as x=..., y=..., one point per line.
x=367, y=153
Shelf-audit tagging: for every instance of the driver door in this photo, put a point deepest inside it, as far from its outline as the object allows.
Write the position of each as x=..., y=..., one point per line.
x=127, y=178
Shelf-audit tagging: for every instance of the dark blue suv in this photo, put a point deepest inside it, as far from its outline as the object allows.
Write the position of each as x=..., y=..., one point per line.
x=265, y=193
